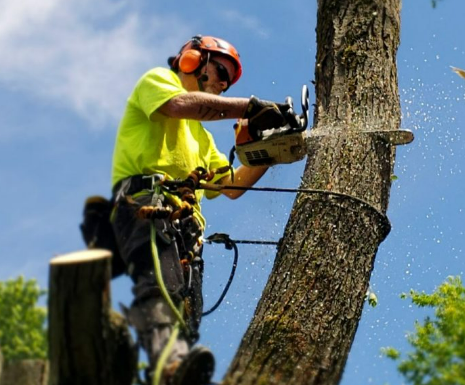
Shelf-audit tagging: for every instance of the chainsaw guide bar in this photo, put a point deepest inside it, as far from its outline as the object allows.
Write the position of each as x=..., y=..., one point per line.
x=392, y=137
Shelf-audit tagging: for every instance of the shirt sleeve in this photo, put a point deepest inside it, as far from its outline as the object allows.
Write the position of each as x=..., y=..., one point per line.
x=156, y=87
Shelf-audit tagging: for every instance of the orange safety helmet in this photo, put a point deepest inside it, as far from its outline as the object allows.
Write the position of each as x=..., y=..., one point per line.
x=190, y=58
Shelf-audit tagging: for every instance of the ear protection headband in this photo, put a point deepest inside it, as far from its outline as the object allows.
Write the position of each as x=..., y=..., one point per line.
x=191, y=59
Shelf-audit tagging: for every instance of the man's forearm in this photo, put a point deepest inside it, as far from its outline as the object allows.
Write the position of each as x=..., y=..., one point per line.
x=243, y=177
x=203, y=106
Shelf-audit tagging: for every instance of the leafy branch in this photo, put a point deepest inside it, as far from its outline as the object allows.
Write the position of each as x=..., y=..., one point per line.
x=22, y=330
x=438, y=356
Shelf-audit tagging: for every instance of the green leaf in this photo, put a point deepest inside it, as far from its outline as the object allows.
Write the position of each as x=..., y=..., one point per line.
x=390, y=352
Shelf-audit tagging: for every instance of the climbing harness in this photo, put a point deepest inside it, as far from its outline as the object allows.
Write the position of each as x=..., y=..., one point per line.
x=199, y=179
x=185, y=190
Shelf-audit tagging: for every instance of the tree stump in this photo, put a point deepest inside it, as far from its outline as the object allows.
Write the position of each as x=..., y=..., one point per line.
x=24, y=372
x=88, y=343
x=1, y=364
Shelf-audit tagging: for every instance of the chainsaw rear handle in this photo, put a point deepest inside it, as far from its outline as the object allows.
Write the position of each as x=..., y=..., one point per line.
x=298, y=122
x=305, y=105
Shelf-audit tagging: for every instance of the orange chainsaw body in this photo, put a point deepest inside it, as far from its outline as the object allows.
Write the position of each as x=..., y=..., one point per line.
x=269, y=150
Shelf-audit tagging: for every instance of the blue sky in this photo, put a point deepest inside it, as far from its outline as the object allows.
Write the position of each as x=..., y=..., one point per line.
x=68, y=67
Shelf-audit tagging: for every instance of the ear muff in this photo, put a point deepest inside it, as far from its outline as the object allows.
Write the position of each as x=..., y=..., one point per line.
x=190, y=61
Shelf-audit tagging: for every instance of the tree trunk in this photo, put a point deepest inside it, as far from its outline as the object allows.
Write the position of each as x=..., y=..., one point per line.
x=88, y=343
x=306, y=320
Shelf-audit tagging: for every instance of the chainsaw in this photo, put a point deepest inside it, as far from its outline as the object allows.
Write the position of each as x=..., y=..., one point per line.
x=275, y=145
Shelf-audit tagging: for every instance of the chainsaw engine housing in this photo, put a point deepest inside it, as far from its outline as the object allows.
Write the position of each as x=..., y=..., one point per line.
x=274, y=149
x=274, y=145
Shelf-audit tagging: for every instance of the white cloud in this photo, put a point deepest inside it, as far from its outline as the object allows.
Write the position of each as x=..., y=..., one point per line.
x=83, y=54
x=246, y=22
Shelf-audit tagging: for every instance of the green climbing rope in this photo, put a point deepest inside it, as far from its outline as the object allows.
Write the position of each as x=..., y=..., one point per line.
x=177, y=312
x=160, y=281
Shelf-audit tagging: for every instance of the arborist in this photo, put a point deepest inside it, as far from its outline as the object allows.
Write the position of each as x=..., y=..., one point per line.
x=161, y=138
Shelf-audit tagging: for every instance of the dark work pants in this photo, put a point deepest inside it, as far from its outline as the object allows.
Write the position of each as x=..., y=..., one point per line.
x=149, y=313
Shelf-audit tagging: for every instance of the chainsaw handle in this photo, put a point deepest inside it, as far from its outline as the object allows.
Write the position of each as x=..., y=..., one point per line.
x=289, y=102
x=302, y=120
x=305, y=105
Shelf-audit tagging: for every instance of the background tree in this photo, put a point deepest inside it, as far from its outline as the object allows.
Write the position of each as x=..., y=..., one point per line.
x=306, y=320
x=439, y=343
x=22, y=331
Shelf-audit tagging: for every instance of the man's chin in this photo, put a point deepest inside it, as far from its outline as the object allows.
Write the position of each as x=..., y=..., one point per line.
x=213, y=90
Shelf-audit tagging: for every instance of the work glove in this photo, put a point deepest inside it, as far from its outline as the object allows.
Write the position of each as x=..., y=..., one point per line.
x=289, y=115
x=264, y=115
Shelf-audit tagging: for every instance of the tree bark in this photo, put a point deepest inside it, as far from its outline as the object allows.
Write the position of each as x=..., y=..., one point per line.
x=88, y=343
x=306, y=320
